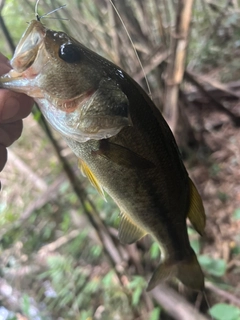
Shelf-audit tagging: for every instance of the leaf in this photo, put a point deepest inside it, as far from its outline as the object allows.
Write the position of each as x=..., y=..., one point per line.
x=195, y=244
x=155, y=314
x=96, y=251
x=154, y=251
x=26, y=304
x=215, y=267
x=223, y=311
x=236, y=214
x=136, y=282
x=37, y=115
x=136, y=296
x=108, y=279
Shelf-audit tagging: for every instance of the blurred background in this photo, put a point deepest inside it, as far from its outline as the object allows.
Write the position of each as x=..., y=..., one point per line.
x=60, y=257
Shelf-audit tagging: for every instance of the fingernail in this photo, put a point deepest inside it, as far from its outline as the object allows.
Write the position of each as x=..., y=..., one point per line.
x=10, y=109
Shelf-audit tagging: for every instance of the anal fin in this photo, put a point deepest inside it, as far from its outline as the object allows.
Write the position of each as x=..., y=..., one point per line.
x=188, y=271
x=196, y=213
x=88, y=173
x=128, y=231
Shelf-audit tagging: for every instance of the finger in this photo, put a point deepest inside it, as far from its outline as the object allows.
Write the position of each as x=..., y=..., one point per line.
x=4, y=59
x=3, y=156
x=9, y=132
x=4, y=68
x=4, y=64
x=14, y=106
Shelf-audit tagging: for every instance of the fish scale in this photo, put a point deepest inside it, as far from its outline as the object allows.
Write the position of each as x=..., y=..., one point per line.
x=122, y=141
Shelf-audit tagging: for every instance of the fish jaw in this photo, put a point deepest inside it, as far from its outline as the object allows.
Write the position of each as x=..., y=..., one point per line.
x=17, y=81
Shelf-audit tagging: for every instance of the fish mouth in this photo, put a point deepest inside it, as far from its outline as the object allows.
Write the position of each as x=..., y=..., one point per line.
x=28, y=47
x=27, y=62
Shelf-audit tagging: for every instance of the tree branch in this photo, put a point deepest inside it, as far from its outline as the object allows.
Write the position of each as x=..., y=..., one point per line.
x=174, y=304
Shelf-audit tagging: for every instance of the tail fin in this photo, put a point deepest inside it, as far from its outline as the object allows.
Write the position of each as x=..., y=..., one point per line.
x=188, y=272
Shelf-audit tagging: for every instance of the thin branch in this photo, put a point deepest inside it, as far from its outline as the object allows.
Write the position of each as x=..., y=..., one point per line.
x=175, y=305
x=214, y=101
x=223, y=294
x=6, y=34
x=27, y=171
x=213, y=83
x=151, y=63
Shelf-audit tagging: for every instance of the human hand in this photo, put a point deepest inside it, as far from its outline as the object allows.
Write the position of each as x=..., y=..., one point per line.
x=13, y=108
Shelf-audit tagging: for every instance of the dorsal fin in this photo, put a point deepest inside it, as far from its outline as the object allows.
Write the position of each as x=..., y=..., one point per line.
x=196, y=213
x=88, y=173
x=128, y=231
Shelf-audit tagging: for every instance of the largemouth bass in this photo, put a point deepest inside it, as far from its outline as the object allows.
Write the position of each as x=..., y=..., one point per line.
x=122, y=141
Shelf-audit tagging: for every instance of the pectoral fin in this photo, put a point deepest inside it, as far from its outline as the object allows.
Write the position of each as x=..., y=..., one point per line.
x=88, y=173
x=129, y=232
x=123, y=156
x=196, y=213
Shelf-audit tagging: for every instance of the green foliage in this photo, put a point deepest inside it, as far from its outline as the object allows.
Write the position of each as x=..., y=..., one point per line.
x=137, y=285
x=214, y=170
x=108, y=279
x=26, y=304
x=155, y=314
x=194, y=240
x=236, y=214
x=222, y=196
x=154, y=250
x=223, y=311
x=215, y=267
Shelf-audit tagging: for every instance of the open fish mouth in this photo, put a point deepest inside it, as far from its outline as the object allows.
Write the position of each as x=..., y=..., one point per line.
x=27, y=62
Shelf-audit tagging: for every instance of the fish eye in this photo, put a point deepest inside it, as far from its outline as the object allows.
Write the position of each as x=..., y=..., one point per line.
x=69, y=53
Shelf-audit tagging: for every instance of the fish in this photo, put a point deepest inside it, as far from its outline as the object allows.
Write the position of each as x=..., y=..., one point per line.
x=122, y=142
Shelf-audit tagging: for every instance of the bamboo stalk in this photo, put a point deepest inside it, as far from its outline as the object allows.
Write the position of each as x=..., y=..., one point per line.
x=176, y=65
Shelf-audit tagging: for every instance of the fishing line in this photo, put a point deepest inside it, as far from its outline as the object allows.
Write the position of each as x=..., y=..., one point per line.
x=207, y=302
x=135, y=51
x=202, y=295
x=47, y=14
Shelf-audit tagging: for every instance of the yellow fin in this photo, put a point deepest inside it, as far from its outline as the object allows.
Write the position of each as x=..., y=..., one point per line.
x=187, y=271
x=128, y=231
x=123, y=156
x=88, y=173
x=196, y=213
